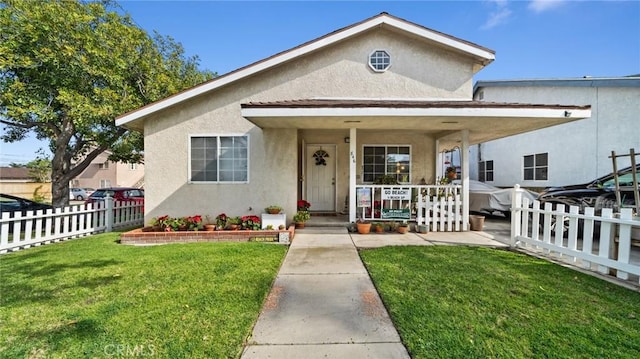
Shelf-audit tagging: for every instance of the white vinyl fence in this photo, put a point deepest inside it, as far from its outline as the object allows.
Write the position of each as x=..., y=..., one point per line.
x=601, y=242
x=438, y=207
x=23, y=230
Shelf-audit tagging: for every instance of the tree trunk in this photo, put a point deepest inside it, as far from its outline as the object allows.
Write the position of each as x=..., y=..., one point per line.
x=60, y=181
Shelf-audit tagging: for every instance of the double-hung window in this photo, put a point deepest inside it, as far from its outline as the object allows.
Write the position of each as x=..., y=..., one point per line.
x=536, y=167
x=219, y=159
x=381, y=161
x=485, y=171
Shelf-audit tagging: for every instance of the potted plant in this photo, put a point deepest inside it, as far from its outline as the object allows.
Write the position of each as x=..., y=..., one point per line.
x=451, y=173
x=221, y=221
x=209, y=225
x=378, y=227
x=233, y=223
x=250, y=222
x=273, y=209
x=300, y=218
x=364, y=227
x=303, y=205
x=403, y=228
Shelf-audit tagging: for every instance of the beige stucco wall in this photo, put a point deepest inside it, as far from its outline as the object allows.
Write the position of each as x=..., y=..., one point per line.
x=339, y=71
x=26, y=189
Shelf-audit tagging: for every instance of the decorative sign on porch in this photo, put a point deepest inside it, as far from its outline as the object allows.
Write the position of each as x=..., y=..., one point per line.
x=396, y=194
x=400, y=213
x=364, y=197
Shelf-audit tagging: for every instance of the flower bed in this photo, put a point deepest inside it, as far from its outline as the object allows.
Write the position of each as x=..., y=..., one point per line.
x=140, y=237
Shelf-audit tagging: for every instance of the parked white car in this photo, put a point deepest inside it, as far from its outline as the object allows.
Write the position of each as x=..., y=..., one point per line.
x=78, y=194
x=484, y=197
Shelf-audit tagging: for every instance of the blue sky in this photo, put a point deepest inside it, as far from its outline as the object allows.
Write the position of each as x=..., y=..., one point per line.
x=532, y=39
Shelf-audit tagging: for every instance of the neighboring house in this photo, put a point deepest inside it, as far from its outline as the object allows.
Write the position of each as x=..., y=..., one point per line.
x=103, y=173
x=16, y=181
x=380, y=97
x=572, y=153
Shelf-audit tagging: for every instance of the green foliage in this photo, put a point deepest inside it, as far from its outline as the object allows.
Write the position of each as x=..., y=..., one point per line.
x=74, y=299
x=37, y=196
x=465, y=302
x=386, y=179
x=68, y=68
x=40, y=168
x=301, y=216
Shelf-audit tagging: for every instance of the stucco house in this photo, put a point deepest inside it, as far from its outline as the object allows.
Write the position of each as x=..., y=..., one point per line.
x=383, y=96
x=571, y=153
x=103, y=173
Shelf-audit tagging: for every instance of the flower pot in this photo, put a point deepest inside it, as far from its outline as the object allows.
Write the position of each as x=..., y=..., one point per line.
x=379, y=229
x=364, y=228
x=274, y=211
x=403, y=229
x=300, y=225
x=209, y=227
x=234, y=227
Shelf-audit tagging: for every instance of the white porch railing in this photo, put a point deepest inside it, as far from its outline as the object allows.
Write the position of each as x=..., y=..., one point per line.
x=18, y=230
x=601, y=242
x=437, y=206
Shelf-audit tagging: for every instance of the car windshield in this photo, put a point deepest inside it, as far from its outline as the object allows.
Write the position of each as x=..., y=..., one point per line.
x=625, y=180
x=102, y=194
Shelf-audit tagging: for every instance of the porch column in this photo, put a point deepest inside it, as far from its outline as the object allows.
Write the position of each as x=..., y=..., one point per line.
x=464, y=156
x=438, y=162
x=352, y=174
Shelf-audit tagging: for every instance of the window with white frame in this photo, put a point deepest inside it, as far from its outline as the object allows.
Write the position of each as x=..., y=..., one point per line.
x=219, y=159
x=104, y=165
x=104, y=183
x=536, y=167
x=485, y=171
x=379, y=60
x=386, y=160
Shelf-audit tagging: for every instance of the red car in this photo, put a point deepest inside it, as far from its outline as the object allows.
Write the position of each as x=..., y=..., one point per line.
x=119, y=194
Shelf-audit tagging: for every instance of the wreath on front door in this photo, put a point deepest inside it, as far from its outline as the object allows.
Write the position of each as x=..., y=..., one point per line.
x=320, y=156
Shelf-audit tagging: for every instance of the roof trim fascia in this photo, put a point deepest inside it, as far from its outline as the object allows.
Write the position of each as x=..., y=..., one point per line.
x=562, y=82
x=572, y=113
x=384, y=18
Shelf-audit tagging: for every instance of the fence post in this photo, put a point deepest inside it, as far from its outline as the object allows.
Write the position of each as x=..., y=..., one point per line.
x=108, y=214
x=516, y=213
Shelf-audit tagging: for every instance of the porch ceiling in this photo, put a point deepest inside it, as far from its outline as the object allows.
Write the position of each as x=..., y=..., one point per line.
x=443, y=120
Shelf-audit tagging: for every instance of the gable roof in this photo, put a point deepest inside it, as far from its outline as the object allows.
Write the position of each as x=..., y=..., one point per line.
x=482, y=56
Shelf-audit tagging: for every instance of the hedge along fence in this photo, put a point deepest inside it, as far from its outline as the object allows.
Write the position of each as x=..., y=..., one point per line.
x=19, y=230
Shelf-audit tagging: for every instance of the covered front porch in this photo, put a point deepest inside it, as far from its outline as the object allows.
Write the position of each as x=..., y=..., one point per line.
x=345, y=145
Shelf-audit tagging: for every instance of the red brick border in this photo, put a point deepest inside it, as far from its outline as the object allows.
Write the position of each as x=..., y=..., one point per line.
x=137, y=236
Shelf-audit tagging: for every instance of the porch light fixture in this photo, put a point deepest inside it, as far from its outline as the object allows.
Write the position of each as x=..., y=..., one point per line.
x=347, y=140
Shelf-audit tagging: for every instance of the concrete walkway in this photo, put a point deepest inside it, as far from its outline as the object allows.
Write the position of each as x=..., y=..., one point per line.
x=323, y=303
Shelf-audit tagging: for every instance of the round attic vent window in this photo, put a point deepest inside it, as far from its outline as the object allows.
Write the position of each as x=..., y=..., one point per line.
x=379, y=60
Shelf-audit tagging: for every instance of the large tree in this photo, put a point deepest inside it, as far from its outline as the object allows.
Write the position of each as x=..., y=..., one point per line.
x=68, y=68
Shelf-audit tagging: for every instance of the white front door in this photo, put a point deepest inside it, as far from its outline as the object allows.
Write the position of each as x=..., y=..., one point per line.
x=321, y=177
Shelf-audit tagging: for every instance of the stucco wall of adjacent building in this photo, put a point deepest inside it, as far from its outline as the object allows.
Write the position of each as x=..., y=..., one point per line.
x=339, y=71
x=578, y=151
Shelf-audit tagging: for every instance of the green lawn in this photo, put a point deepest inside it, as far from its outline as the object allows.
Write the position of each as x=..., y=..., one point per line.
x=94, y=298
x=464, y=302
